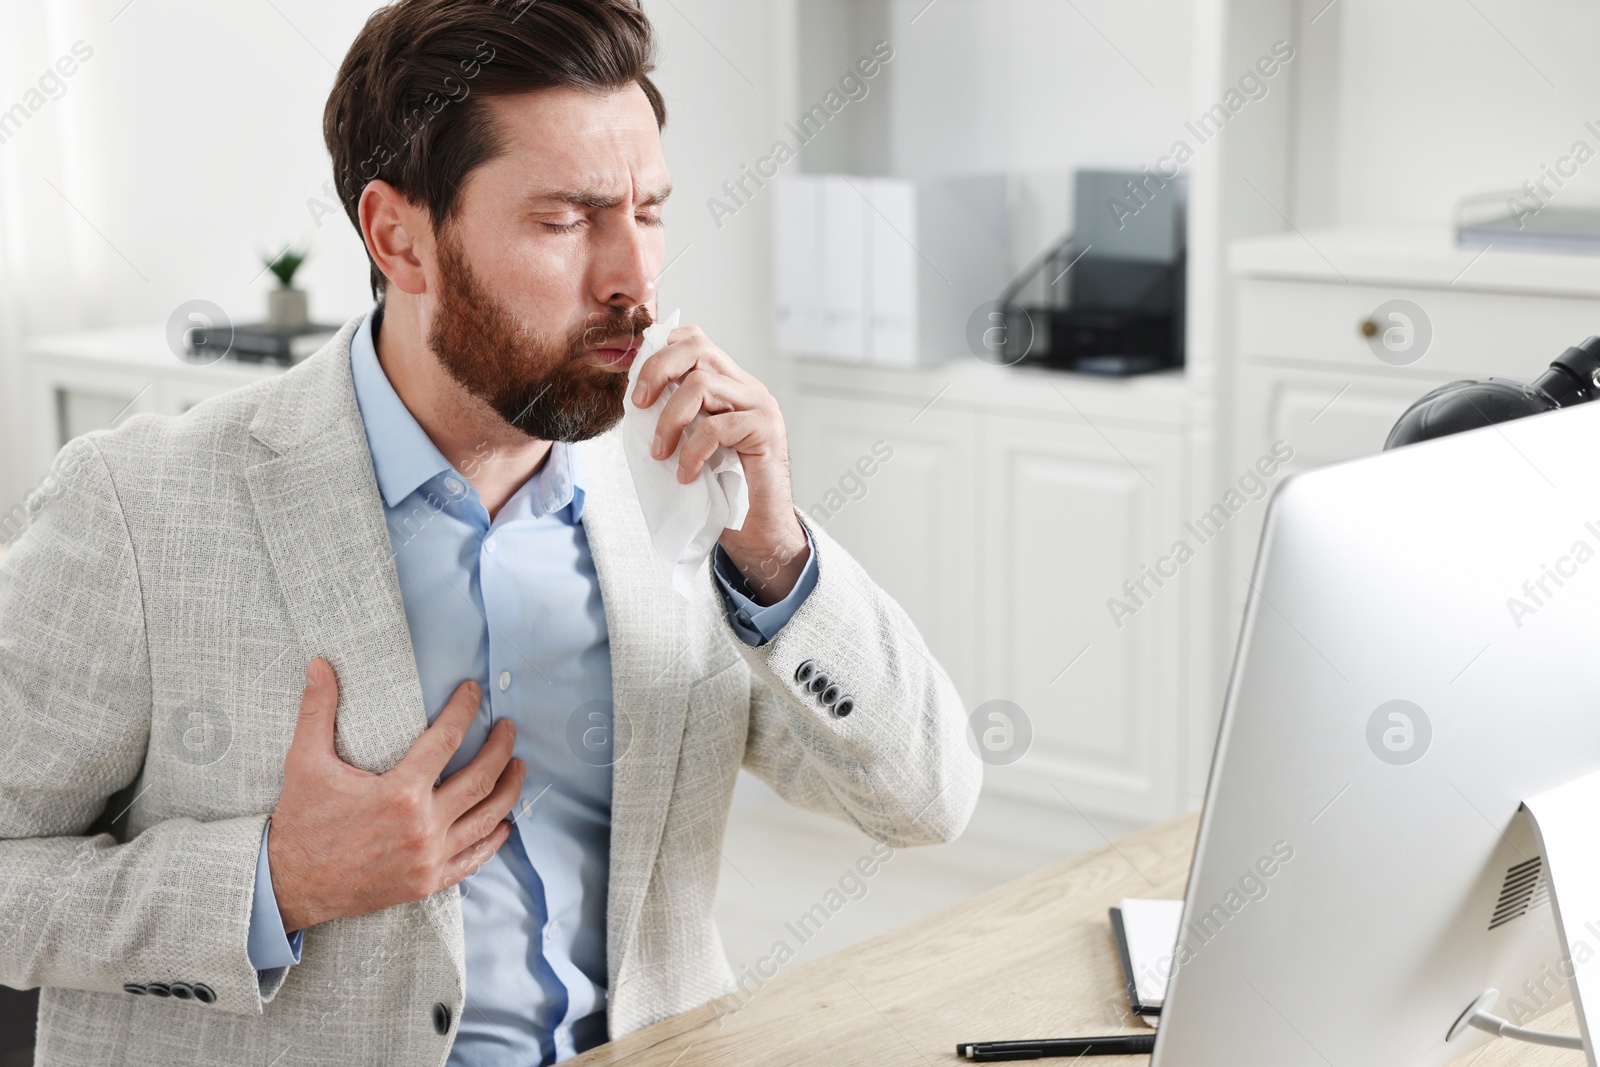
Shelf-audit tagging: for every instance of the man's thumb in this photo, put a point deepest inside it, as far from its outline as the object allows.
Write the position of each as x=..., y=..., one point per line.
x=318, y=701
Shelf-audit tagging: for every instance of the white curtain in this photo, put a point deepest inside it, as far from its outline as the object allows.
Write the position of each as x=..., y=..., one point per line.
x=42, y=271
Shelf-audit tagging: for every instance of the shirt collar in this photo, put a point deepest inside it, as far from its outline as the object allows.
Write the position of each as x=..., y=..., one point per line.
x=404, y=457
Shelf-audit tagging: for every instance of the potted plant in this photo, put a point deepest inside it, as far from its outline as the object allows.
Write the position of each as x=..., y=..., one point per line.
x=286, y=306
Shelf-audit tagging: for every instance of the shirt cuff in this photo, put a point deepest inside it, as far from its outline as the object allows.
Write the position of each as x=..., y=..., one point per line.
x=756, y=625
x=269, y=945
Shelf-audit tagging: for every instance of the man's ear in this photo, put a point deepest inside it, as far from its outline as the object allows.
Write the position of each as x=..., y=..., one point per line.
x=398, y=234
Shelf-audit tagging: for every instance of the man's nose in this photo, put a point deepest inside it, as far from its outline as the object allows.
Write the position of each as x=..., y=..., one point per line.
x=625, y=272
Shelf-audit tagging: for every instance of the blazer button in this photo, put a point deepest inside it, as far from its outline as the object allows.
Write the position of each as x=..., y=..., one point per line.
x=158, y=989
x=441, y=1018
x=845, y=706
x=204, y=993
x=135, y=988
x=830, y=696
x=819, y=682
x=804, y=673
x=181, y=991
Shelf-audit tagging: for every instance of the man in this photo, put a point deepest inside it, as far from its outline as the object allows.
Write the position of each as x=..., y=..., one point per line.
x=421, y=757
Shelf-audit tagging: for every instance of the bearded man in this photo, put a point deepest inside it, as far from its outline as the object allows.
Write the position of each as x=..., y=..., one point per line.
x=348, y=717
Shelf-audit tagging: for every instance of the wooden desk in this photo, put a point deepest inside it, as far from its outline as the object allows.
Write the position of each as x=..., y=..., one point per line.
x=1032, y=958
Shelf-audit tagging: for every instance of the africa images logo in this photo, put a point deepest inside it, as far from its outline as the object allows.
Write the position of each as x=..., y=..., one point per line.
x=1399, y=732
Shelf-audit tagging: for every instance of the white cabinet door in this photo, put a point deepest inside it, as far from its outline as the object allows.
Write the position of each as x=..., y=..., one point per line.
x=1323, y=416
x=907, y=518
x=1069, y=515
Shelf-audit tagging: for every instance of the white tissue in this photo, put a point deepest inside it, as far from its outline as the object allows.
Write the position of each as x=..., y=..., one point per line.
x=684, y=520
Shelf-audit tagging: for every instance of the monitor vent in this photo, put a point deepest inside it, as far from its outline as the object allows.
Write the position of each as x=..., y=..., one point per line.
x=1525, y=887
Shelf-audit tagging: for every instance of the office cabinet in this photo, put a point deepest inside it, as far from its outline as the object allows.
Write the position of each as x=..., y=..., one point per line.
x=886, y=481
x=1308, y=374
x=1015, y=506
x=1032, y=530
x=87, y=381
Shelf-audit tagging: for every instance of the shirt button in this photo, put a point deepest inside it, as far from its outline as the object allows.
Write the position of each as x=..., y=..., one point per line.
x=454, y=485
x=488, y=544
x=505, y=681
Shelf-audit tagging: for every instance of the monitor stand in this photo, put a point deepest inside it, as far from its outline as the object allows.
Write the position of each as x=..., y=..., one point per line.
x=1565, y=820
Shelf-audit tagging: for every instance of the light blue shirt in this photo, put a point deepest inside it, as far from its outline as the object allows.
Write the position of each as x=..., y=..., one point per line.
x=513, y=603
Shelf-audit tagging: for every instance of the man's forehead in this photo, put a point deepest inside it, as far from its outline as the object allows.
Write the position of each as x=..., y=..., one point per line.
x=573, y=140
x=617, y=115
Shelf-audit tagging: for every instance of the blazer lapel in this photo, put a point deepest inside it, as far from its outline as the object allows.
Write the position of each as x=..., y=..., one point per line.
x=322, y=518
x=653, y=661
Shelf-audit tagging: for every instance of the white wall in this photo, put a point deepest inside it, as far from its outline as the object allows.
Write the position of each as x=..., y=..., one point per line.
x=191, y=139
x=1020, y=85
x=727, y=70
x=1428, y=101
x=1034, y=88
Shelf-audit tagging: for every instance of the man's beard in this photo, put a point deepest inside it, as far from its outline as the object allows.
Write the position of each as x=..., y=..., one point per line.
x=550, y=391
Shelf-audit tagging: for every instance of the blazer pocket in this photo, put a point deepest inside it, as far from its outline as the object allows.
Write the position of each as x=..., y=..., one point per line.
x=717, y=722
x=730, y=680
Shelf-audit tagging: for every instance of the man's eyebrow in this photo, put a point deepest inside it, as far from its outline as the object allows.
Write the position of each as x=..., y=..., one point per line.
x=657, y=197
x=581, y=198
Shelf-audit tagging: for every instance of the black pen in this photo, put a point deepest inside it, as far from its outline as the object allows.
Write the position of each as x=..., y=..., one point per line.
x=1120, y=1045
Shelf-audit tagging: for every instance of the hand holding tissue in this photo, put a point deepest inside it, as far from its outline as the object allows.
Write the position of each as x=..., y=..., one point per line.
x=684, y=520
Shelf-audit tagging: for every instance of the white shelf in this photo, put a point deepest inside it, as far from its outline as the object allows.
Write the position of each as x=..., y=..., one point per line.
x=1426, y=258
x=140, y=349
x=1151, y=401
x=78, y=382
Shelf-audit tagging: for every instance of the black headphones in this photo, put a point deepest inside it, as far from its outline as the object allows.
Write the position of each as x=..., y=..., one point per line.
x=1574, y=378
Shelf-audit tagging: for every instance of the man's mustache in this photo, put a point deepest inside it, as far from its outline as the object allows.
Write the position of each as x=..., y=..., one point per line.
x=622, y=329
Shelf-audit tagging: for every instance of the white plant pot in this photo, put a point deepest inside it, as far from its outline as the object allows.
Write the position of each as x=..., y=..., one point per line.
x=287, y=308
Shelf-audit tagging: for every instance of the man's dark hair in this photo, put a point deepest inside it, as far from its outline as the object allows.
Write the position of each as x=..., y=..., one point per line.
x=407, y=105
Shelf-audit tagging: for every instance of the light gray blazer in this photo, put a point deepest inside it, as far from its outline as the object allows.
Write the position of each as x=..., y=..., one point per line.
x=156, y=618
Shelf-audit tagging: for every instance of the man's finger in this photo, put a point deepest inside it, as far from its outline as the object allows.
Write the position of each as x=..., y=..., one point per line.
x=439, y=742
x=700, y=391
x=479, y=822
x=731, y=428
x=477, y=779
x=469, y=859
x=319, y=701
x=670, y=363
x=707, y=354
x=677, y=358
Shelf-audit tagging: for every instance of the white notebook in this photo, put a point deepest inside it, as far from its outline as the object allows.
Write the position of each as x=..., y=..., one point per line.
x=1146, y=932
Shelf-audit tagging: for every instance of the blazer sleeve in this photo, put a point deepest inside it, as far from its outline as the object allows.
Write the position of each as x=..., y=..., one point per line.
x=89, y=912
x=898, y=766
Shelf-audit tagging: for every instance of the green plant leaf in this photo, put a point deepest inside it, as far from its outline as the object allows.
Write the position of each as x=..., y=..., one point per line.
x=285, y=265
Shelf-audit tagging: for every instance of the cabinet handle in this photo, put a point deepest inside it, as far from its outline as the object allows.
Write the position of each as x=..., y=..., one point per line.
x=1368, y=328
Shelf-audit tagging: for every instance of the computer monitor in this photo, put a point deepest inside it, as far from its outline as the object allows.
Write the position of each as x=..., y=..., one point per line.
x=1418, y=656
